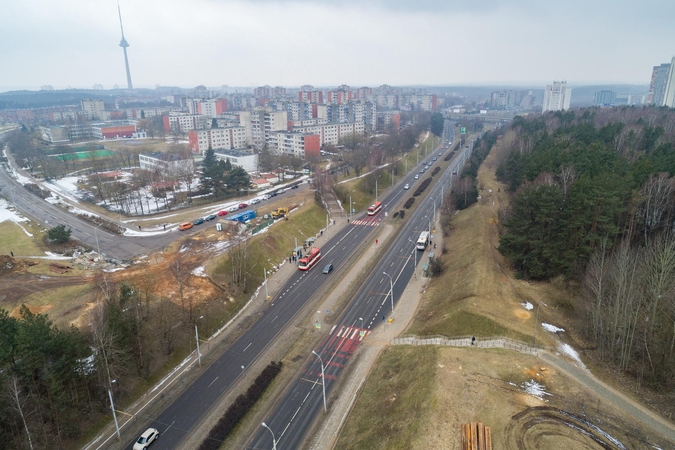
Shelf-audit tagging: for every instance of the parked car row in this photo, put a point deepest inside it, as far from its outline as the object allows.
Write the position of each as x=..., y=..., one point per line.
x=234, y=208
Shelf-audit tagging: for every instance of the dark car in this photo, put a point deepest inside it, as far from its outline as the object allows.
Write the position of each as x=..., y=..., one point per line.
x=273, y=194
x=243, y=205
x=198, y=222
x=295, y=186
x=210, y=217
x=328, y=268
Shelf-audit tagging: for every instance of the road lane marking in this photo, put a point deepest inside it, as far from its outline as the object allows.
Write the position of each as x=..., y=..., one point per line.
x=247, y=347
x=275, y=318
x=214, y=380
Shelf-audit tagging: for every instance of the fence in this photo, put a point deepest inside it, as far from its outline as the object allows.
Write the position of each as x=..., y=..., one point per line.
x=466, y=341
x=262, y=226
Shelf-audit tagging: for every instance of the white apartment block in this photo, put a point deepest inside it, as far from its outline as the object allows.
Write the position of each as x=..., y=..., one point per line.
x=217, y=138
x=264, y=122
x=245, y=160
x=94, y=109
x=557, y=97
x=167, y=164
x=185, y=122
x=331, y=133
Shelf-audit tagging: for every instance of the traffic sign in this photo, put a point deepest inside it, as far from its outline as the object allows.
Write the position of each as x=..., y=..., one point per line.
x=318, y=326
x=362, y=333
x=462, y=130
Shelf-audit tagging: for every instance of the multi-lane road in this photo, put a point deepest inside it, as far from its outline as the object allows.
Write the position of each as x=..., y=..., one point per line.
x=371, y=306
x=185, y=413
x=292, y=418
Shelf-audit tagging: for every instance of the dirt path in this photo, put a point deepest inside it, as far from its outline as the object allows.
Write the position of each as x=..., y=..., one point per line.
x=634, y=409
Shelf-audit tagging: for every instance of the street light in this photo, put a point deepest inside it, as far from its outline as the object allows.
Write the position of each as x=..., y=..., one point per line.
x=427, y=217
x=323, y=381
x=361, y=319
x=274, y=440
x=391, y=288
x=536, y=320
x=415, y=252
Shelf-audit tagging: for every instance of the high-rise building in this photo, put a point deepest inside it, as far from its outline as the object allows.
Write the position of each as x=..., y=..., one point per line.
x=557, y=96
x=604, y=98
x=669, y=94
x=94, y=109
x=657, y=86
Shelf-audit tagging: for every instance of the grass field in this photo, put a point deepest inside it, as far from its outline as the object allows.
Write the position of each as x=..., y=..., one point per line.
x=395, y=401
x=14, y=239
x=275, y=245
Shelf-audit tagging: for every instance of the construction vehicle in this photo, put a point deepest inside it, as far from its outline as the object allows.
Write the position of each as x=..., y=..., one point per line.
x=279, y=213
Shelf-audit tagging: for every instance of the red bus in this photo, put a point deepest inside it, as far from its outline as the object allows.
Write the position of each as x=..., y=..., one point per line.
x=310, y=259
x=374, y=208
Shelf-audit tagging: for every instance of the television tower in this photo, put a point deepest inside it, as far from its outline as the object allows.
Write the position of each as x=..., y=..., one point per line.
x=124, y=44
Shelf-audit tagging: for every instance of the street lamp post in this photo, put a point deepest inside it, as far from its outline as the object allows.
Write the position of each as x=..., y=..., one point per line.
x=361, y=319
x=323, y=380
x=199, y=354
x=536, y=320
x=414, y=253
x=274, y=440
x=391, y=288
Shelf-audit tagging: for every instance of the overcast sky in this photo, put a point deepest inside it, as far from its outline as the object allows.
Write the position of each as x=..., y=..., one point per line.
x=331, y=42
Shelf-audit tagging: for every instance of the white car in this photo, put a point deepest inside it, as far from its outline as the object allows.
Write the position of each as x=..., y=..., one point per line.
x=266, y=197
x=281, y=191
x=417, y=177
x=407, y=186
x=254, y=201
x=148, y=437
x=233, y=208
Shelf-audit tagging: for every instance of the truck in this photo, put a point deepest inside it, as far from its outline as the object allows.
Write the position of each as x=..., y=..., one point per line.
x=279, y=212
x=243, y=216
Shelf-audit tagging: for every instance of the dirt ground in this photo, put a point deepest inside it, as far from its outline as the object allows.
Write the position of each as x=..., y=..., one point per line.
x=66, y=297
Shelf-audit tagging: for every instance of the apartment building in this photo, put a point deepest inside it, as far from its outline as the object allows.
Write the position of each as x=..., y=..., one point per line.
x=657, y=86
x=557, y=96
x=217, y=138
x=331, y=133
x=246, y=160
x=300, y=145
x=184, y=122
x=167, y=164
x=264, y=122
x=93, y=109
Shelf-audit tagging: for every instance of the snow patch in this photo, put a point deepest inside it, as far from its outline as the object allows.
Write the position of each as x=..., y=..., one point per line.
x=551, y=328
x=199, y=271
x=566, y=349
x=527, y=305
x=535, y=390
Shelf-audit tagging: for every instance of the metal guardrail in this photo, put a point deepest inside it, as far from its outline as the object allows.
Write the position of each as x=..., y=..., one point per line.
x=469, y=341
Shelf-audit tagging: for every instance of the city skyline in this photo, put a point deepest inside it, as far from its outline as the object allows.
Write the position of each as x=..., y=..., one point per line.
x=243, y=43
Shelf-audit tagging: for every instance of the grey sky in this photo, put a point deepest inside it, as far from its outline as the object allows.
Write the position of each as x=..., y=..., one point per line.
x=330, y=42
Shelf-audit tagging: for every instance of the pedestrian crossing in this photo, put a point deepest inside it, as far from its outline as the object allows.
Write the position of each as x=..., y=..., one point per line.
x=366, y=222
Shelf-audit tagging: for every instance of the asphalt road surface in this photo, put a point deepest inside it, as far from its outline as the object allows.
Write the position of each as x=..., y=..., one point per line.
x=186, y=412
x=372, y=306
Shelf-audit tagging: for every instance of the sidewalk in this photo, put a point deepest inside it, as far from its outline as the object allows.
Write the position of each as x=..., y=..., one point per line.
x=326, y=436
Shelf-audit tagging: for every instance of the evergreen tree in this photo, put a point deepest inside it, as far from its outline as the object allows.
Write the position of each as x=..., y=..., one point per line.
x=59, y=234
x=437, y=122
